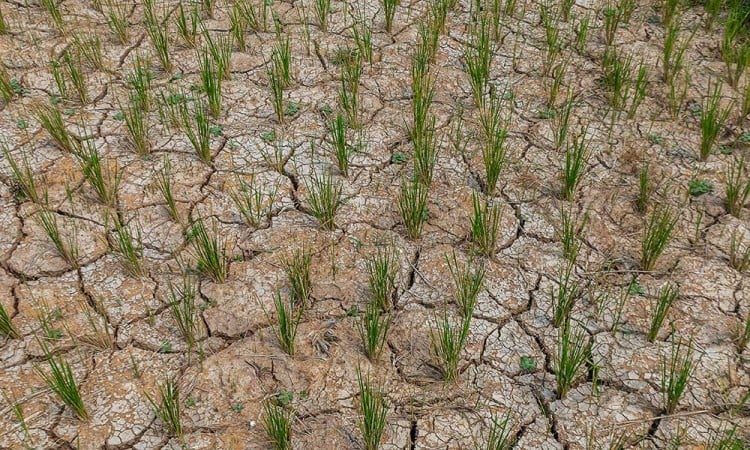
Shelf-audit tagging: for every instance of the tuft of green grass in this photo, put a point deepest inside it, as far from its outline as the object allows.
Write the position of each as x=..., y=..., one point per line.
x=341, y=149
x=288, y=316
x=676, y=371
x=7, y=328
x=210, y=252
x=65, y=244
x=382, y=268
x=373, y=329
x=167, y=406
x=568, y=291
x=389, y=11
x=468, y=282
x=254, y=204
x=136, y=121
x=494, y=152
x=322, y=10
x=577, y=154
x=187, y=24
x=362, y=35
x=129, y=246
x=582, y=33
x=184, y=310
x=656, y=235
x=673, y=54
x=618, y=78
x=478, y=59
x=325, y=198
x=739, y=252
x=139, y=81
x=116, y=16
x=573, y=349
x=8, y=86
x=277, y=93
x=713, y=118
x=351, y=73
x=238, y=25
x=645, y=189
x=373, y=408
x=89, y=47
x=102, y=175
x=297, y=267
x=220, y=49
x=51, y=120
x=53, y=9
x=164, y=184
x=500, y=436
x=3, y=24
x=22, y=175
x=412, y=204
x=447, y=341
x=158, y=34
x=571, y=230
x=485, y=221
x=61, y=381
x=197, y=128
x=211, y=82
x=277, y=421
x=737, y=188
x=667, y=296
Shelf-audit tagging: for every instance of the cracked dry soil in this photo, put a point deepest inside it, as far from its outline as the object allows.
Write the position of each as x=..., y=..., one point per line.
x=117, y=330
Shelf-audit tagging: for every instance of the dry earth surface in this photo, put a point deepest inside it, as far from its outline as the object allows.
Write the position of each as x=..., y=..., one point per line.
x=117, y=329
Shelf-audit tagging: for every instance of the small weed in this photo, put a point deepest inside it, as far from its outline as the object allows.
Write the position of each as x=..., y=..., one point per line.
x=500, y=436
x=167, y=407
x=527, y=364
x=698, y=187
x=254, y=204
x=373, y=409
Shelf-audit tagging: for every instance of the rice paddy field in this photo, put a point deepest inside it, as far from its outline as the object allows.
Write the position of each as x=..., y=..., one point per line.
x=414, y=224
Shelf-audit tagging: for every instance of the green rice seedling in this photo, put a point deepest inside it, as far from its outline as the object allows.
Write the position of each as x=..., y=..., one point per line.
x=389, y=11
x=164, y=184
x=66, y=245
x=129, y=246
x=341, y=149
x=254, y=204
x=553, y=41
x=277, y=93
x=713, y=119
x=737, y=59
x=485, y=221
x=573, y=349
x=571, y=230
x=612, y=19
x=667, y=296
x=351, y=72
x=297, y=267
x=210, y=82
x=139, y=81
x=197, y=128
x=22, y=175
x=373, y=408
x=425, y=151
x=47, y=318
x=187, y=24
x=568, y=291
x=562, y=124
x=362, y=35
x=7, y=91
x=89, y=47
x=618, y=78
x=136, y=121
x=447, y=341
x=670, y=10
x=577, y=154
x=101, y=174
x=324, y=198
x=373, y=330
x=220, y=49
x=208, y=7
x=322, y=10
x=639, y=89
x=412, y=204
x=281, y=58
x=676, y=371
x=382, y=268
x=468, y=283
x=582, y=32
x=500, y=436
x=51, y=120
x=289, y=315
x=678, y=93
x=645, y=189
x=277, y=421
x=74, y=68
x=745, y=102
x=53, y=8
x=737, y=188
x=673, y=55
x=7, y=328
x=61, y=381
x=713, y=8
x=555, y=82
x=734, y=28
x=158, y=34
x=167, y=406
x=116, y=16
x=184, y=310
x=478, y=59
x=739, y=252
x=509, y=8
x=493, y=150
x=58, y=74
x=3, y=24
x=17, y=408
x=238, y=26
x=627, y=8
x=656, y=235
x=423, y=91
x=210, y=252
x=744, y=335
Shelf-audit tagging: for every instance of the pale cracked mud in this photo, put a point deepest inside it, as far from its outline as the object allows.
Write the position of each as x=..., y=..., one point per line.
x=238, y=362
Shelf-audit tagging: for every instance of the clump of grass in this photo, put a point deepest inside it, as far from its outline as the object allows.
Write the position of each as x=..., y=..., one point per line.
x=103, y=176
x=468, y=283
x=297, y=267
x=139, y=81
x=322, y=10
x=167, y=406
x=667, y=296
x=51, y=120
x=254, y=204
x=412, y=204
x=220, y=50
x=53, y=9
x=645, y=189
x=639, y=89
x=281, y=58
x=618, y=77
x=325, y=198
x=89, y=47
x=582, y=33
x=116, y=16
x=713, y=119
x=188, y=28
x=577, y=154
x=676, y=371
x=129, y=246
x=656, y=235
x=159, y=35
x=22, y=175
x=277, y=93
x=447, y=341
x=362, y=34
x=277, y=422
x=184, y=310
x=739, y=252
x=478, y=59
x=7, y=84
x=673, y=54
x=568, y=291
x=381, y=270
x=389, y=10
x=485, y=221
x=500, y=436
x=495, y=133
x=288, y=315
x=210, y=252
x=61, y=381
x=210, y=82
x=373, y=409
x=238, y=25
x=164, y=184
x=136, y=121
x=197, y=128
x=573, y=348
x=737, y=188
x=373, y=329
x=351, y=72
x=341, y=149
x=65, y=244
x=571, y=229
x=7, y=328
